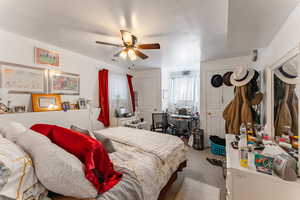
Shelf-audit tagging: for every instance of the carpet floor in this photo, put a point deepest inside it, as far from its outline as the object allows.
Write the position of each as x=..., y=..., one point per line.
x=197, y=170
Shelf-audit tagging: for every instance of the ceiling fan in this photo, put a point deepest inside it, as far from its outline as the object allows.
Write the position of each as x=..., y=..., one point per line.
x=130, y=47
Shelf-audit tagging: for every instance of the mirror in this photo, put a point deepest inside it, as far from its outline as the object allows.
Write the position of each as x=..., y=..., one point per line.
x=285, y=99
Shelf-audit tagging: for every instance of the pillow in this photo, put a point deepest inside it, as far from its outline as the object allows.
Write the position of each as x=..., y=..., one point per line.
x=11, y=130
x=17, y=175
x=98, y=166
x=83, y=131
x=104, y=140
x=58, y=170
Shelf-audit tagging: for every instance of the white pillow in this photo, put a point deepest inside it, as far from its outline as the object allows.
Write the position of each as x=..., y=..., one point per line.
x=58, y=170
x=11, y=130
x=17, y=176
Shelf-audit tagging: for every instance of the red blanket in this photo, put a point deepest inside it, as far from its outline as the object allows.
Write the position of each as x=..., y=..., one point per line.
x=98, y=167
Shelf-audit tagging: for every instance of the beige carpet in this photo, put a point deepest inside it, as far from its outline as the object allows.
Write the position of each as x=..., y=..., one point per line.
x=200, y=172
x=195, y=190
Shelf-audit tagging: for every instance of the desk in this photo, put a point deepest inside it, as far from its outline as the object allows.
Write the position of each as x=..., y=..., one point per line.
x=245, y=183
x=192, y=121
x=139, y=125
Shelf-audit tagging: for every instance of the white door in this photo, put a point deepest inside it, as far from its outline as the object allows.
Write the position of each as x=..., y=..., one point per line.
x=148, y=86
x=216, y=101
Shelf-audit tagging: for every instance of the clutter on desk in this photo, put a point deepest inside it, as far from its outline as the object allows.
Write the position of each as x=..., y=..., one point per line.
x=264, y=163
x=278, y=156
x=285, y=167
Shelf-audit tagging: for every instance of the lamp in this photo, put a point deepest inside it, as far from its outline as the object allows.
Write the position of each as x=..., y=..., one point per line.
x=91, y=109
x=123, y=54
x=131, y=54
x=127, y=37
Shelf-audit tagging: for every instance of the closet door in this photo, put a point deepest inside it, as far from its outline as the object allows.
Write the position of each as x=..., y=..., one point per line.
x=148, y=86
x=216, y=101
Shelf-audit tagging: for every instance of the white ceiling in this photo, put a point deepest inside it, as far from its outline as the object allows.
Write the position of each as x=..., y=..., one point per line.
x=188, y=30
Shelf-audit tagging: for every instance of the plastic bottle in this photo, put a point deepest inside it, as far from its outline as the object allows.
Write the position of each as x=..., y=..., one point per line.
x=243, y=148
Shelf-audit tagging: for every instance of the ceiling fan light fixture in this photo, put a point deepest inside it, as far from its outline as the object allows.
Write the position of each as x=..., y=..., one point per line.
x=123, y=54
x=132, y=54
x=127, y=37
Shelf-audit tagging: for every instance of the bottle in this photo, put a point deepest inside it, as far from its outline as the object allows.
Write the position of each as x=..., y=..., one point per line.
x=250, y=129
x=243, y=150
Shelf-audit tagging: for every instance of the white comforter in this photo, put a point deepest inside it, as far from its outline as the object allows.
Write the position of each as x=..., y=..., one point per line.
x=160, y=145
x=151, y=156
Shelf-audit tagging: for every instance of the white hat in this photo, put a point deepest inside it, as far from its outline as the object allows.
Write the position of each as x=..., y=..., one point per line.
x=287, y=73
x=241, y=76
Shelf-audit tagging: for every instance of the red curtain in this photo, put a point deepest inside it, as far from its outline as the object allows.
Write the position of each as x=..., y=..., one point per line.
x=129, y=79
x=103, y=97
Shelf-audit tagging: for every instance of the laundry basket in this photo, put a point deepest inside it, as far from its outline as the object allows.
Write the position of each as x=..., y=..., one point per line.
x=217, y=149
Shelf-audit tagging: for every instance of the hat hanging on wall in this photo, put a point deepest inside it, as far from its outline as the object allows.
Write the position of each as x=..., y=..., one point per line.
x=287, y=73
x=217, y=80
x=256, y=75
x=241, y=76
x=226, y=78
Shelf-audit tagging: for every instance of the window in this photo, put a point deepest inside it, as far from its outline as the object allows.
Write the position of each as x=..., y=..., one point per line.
x=184, y=91
x=118, y=92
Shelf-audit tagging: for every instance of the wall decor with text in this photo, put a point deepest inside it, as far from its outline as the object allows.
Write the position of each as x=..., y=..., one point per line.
x=22, y=79
x=63, y=83
x=45, y=57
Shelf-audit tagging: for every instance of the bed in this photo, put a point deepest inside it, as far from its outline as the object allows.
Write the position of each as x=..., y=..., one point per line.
x=154, y=158
x=149, y=163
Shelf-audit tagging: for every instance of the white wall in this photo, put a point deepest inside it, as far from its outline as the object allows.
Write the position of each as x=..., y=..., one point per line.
x=20, y=50
x=286, y=39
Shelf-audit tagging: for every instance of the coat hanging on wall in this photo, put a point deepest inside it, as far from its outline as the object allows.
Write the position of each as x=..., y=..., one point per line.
x=240, y=109
x=237, y=111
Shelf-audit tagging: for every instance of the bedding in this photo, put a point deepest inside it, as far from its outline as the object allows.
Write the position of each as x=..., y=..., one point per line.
x=152, y=173
x=104, y=140
x=128, y=187
x=11, y=130
x=160, y=145
x=58, y=170
x=98, y=167
x=17, y=175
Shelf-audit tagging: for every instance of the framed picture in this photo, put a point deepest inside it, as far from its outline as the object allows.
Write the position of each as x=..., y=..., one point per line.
x=46, y=102
x=22, y=79
x=64, y=83
x=46, y=57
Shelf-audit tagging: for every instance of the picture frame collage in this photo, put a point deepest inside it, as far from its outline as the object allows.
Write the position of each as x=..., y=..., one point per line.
x=18, y=79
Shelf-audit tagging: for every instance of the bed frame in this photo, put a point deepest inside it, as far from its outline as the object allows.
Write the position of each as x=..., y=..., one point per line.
x=162, y=194
x=164, y=191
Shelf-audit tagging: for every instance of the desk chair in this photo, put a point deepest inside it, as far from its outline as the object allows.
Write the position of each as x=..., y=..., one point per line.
x=161, y=124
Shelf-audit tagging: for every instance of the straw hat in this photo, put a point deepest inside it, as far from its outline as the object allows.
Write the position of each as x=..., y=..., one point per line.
x=242, y=76
x=287, y=73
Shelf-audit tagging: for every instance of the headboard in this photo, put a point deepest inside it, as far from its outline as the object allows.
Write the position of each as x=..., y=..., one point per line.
x=80, y=118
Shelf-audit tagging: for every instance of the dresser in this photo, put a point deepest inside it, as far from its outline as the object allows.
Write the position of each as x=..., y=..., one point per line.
x=121, y=121
x=248, y=184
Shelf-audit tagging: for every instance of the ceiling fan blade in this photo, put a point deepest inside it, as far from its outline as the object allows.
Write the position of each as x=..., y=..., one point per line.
x=140, y=54
x=149, y=46
x=121, y=52
x=110, y=44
